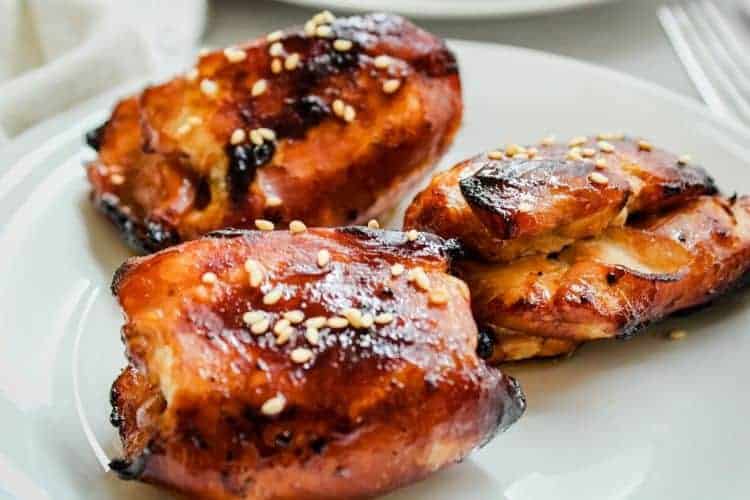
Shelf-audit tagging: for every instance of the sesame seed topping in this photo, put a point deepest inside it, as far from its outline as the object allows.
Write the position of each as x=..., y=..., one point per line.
x=275, y=36
x=281, y=326
x=324, y=31
x=324, y=257
x=273, y=201
x=354, y=316
x=525, y=206
x=259, y=87
x=397, y=269
x=391, y=86
x=588, y=152
x=373, y=224
x=291, y=62
x=195, y=120
x=238, y=137
x=273, y=296
x=255, y=272
x=383, y=318
x=382, y=62
x=419, y=278
x=412, y=235
x=295, y=317
x=273, y=406
x=192, y=74
x=606, y=147
x=549, y=140
x=312, y=335
x=438, y=297
x=209, y=87
x=310, y=27
x=349, y=113
x=644, y=145
x=514, y=149
x=301, y=355
x=235, y=55
x=337, y=322
x=598, y=178
x=610, y=136
x=366, y=321
x=677, y=334
x=267, y=133
x=117, y=179
x=600, y=163
x=276, y=49
x=339, y=107
x=276, y=66
x=532, y=152
x=297, y=226
x=260, y=327
x=256, y=137
x=252, y=317
x=264, y=225
x=209, y=278
x=495, y=155
x=184, y=129
x=574, y=154
x=577, y=141
x=316, y=322
x=284, y=335
x=684, y=159
x=342, y=45
x=323, y=17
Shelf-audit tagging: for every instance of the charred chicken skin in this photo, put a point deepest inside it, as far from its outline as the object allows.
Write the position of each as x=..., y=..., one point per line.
x=329, y=124
x=322, y=363
x=590, y=240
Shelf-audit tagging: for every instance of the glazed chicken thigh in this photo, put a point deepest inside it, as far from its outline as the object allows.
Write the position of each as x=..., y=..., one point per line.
x=329, y=124
x=321, y=363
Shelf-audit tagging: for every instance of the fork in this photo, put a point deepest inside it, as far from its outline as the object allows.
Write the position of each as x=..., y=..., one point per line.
x=712, y=54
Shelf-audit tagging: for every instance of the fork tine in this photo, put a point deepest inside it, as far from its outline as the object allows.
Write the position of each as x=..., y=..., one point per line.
x=725, y=31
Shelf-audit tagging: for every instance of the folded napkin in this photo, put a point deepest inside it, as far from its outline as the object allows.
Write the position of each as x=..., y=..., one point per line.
x=57, y=53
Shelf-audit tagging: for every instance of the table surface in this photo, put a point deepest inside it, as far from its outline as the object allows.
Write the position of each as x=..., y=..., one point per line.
x=623, y=35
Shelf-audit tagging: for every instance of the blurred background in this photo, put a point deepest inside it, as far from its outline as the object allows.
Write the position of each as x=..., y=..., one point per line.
x=55, y=54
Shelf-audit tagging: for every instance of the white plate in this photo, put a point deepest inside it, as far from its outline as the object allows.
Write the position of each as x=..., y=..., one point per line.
x=450, y=8
x=646, y=419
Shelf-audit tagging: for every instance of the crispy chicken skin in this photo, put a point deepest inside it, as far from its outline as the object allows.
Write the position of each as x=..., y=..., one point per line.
x=330, y=124
x=615, y=283
x=219, y=405
x=538, y=200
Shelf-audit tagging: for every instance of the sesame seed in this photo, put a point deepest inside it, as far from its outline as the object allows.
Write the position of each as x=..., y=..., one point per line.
x=606, y=147
x=588, y=152
x=316, y=322
x=323, y=17
x=373, y=224
x=532, y=152
x=291, y=62
x=621, y=218
x=324, y=31
x=264, y=225
x=339, y=107
x=574, y=154
x=184, y=129
x=267, y=134
x=273, y=296
x=192, y=74
x=255, y=272
x=256, y=137
x=513, y=149
x=419, y=278
x=349, y=114
x=525, y=206
x=276, y=66
x=312, y=335
x=252, y=317
x=259, y=87
x=209, y=87
x=337, y=322
x=276, y=49
x=273, y=406
x=383, y=318
x=274, y=36
x=391, y=86
x=117, y=179
x=209, y=278
x=412, y=235
x=295, y=317
x=310, y=27
x=284, y=335
x=397, y=269
x=382, y=62
x=238, y=137
x=260, y=327
x=598, y=178
x=195, y=120
x=280, y=326
x=342, y=45
x=600, y=163
x=644, y=146
x=677, y=334
x=273, y=201
x=234, y=55
x=324, y=257
x=438, y=297
x=549, y=140
x=366, y=321
x=354, y=316
x=301, y=355
x=495, y=155
x=684, y=159
x=610, y=136
x=297, y=226
x=577, y=141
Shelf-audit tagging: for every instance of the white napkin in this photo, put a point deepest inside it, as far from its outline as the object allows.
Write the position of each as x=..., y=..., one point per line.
x=57, y=53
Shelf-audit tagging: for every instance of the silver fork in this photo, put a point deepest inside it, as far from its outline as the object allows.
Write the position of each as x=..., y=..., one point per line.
x=712, y=53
